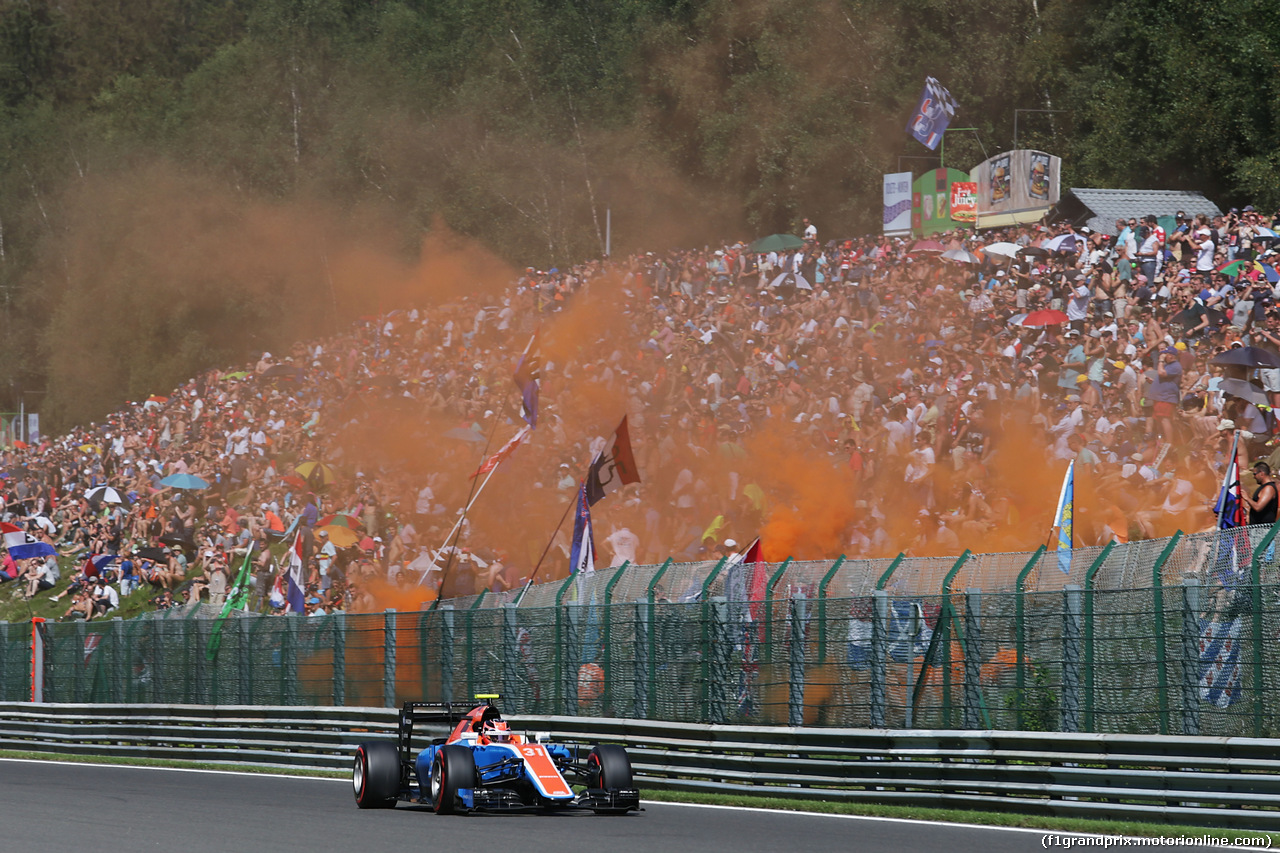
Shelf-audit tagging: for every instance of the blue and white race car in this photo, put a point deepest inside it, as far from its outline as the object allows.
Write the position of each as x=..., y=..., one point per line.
x=483, y=765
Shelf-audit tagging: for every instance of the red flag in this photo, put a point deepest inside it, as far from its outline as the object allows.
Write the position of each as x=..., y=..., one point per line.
x=612, y=468
x=503, y=452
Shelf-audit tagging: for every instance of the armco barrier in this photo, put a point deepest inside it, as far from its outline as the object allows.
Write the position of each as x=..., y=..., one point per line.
x=1204, y=781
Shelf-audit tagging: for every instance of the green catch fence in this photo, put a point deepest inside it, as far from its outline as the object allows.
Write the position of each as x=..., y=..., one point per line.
x=1169, y=636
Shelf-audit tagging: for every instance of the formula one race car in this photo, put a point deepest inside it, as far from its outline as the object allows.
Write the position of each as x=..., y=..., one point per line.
x=483, y=765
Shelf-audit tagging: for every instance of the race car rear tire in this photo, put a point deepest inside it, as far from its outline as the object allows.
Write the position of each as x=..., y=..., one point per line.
x=376, y=775
x=608, y=766
x=454, y=768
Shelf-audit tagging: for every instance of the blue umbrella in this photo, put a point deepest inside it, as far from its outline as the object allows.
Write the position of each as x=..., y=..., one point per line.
x=184, y=481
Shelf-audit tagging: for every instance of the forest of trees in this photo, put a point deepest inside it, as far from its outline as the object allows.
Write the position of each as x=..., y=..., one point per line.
x=185, y=181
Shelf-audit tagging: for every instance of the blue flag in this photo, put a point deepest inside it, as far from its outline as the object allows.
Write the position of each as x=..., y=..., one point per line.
x=582, y=554
x=528, y=374
x=1229, y=507
x=932, y=115
x=1064, y=518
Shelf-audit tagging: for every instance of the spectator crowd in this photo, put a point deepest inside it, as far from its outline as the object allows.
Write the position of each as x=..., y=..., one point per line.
x=856, y=396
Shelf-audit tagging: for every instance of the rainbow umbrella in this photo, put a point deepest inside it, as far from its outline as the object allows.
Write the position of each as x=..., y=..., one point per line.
x=343, y=537
x=340, y=519
x=1233, y=269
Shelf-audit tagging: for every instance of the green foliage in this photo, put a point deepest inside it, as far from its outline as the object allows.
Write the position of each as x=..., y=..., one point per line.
x=1037, y=708
x=518, y=122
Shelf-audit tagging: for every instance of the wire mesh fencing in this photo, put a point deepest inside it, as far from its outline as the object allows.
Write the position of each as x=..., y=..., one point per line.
x=1174, y=636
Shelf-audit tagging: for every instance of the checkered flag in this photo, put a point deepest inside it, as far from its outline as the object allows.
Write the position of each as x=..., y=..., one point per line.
x=932, y=115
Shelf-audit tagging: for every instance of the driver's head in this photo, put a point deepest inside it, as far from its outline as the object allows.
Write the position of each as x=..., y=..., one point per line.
x=497, y=731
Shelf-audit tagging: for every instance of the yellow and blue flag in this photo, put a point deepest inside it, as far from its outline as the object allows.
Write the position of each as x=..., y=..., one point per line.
x=1064, y=518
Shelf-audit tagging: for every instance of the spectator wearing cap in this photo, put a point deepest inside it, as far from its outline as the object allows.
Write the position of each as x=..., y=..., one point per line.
x=1166, y=392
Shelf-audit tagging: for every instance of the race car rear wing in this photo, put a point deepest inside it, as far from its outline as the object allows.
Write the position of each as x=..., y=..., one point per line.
x=448, y=713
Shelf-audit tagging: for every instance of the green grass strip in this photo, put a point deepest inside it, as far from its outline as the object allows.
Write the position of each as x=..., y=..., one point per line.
x=976, y=818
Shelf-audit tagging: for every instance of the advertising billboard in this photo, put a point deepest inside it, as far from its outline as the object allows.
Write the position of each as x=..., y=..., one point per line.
x=1017, y=186
x=931, y=211
x=897, y=203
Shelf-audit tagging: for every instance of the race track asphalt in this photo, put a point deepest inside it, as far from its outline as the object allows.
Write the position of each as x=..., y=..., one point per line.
x=47, y=806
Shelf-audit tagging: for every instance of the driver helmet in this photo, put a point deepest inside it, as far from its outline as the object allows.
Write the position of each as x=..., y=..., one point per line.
x=497, y=731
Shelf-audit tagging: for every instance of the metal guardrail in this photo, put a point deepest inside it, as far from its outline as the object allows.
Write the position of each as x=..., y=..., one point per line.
x=1204, y=781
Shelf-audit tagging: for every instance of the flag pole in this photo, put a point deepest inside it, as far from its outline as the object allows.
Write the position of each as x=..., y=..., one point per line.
x=534, y=573
x=1232, y=461
x=472, y=494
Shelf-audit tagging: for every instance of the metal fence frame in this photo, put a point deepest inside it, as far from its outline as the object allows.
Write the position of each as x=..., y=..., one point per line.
x=1107, y=639
x=1202, y=781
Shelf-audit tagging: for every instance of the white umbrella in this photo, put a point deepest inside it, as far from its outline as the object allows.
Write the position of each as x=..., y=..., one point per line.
x=1009, y=250
x=105, y=494
x=964, y=256
x=795, y=278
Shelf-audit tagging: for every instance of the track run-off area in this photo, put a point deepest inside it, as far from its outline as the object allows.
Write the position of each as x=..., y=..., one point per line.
x=59, y=806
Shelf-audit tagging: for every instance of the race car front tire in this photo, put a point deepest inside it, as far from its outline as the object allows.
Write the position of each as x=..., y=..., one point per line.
x=454, y=768
x=376, y=775
x=608, y=766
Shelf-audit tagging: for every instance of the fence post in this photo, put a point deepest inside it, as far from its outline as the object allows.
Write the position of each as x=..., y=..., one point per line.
x=1162, y=664
x=1190, y=657
x=4, y=659
x=115, y=670
x=1089, y=633
x=1255, y=579
x=340, y=660
x=721, y=653
x=640, y=671
x=77, y=662
x=652, y=675
x=200, y=640
x=155, y=660
x=389, y=658
x=289, y=659
x=1071, y=618
x=608, y=637
x=446, y=653
x=244, y=659
x=950, y=610
x=1020, y=633
x=768, y=610
x=974, y=706
x=37, y=659
x=822, y=608
x=893, y=567
x=510, y=654
x=795, y=648
x=559, y=650
x=879, y=657
x=707, y=637
x=572, y=653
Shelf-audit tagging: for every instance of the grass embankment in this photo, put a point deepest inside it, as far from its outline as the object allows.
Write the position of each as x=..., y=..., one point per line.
x=976, y=818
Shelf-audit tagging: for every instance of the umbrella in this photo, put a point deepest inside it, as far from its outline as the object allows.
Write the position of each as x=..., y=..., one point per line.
x=1063, y=243
x=156, y=555
x=1007, y=249
x=963, y=256
x=340, y=519
x=1247, y=357
x=293, y=481
x=279, y=371
x=1266, y=233
x=184, y=481
x=105, y=494
x=464, y=434
x=1268, y=272
x=927, y=246
x=1244, y=390
x=1233, y=268
x=239, y=374
x=792, y=278
x=90, y=448
x=343, y=537
x=178, y=542
x=776, y=243
x=367, y=544
x=20, y=444
x=1033, y=252
x=1016, y=319
x=317, y=473
x=1044, y=317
